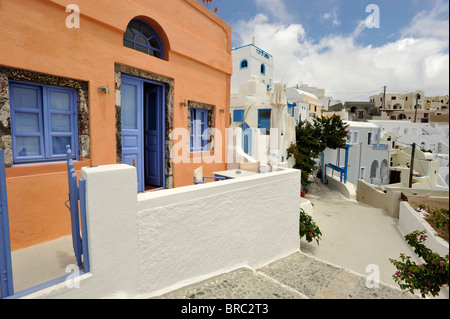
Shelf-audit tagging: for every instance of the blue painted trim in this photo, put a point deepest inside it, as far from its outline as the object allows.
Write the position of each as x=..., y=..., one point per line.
x=216, y=178
x=44, y=285
x=74, y=213
x=346, y=164
x=241, y=64
x=323, y=167
x=6, y=275
x=163, y=132
x=244, y=46
x=336, y=168
x=84, y=229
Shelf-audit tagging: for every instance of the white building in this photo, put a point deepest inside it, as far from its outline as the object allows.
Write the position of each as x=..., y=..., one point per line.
x=425, y=169
x=325, y=101
x=251, y=110
x=252, y=91
x=251, y=104
x=434, y=140
x=303, y=104
x=423, y=134
x=365, y=156
x=249, y=60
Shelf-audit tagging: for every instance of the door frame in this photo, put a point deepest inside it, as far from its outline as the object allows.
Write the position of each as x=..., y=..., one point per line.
x=161, y=126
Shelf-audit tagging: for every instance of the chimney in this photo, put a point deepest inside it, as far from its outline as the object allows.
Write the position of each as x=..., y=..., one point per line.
x=253, y=40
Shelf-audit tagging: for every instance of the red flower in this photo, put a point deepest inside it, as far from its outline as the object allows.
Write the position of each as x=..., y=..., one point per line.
x=310, y=234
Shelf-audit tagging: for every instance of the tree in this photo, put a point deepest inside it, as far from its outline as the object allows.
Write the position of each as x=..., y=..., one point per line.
x=312, y=139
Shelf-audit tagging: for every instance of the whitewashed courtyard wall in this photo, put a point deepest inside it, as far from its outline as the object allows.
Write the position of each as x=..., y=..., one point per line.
x=149, y=243
x=411, y=220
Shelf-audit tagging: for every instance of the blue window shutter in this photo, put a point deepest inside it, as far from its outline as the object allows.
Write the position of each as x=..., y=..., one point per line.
x=199, y=123
x=238, y=115
x=44, y=121
x=61, y=119
x=192, y=111
x=204, y=132
x=27, y=122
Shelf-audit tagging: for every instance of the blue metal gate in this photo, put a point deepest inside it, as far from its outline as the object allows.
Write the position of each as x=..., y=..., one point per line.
x=77, y=199
x=6, y=276
x=77, y=194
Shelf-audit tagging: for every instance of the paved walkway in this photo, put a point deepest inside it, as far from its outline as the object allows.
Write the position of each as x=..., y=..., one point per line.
x=357, y=241
x=297, y=276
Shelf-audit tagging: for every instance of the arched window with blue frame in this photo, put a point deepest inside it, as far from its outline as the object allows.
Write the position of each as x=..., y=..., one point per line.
x=263, y=69
x=244, y=64
x=142, y=37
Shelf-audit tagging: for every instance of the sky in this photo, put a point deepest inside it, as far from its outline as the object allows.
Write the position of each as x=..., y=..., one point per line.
x=350, y=48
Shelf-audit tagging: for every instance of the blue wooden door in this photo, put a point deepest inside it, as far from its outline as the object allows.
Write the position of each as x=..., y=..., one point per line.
x=264, y=119
x=153, y=161
x=246, y=138
x=131, y=112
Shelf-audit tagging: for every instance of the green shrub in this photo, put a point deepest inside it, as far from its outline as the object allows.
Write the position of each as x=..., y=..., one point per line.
x=427, y=278
x=309, y=228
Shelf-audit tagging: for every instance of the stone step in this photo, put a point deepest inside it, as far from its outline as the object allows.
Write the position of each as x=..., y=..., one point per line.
x=297, y=276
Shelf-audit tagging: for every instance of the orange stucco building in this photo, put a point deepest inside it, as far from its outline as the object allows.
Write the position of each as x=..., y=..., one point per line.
x=112, y=79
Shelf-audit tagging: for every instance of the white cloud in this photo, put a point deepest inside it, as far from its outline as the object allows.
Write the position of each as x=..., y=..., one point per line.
x=339, y=64
x=275, y=8
x=433, y=23
x=333, y=16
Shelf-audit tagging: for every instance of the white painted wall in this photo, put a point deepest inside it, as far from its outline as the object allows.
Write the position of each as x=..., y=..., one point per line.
x=149, y=243
x=255, y=56
x=303, y=100
x=361, y=155
x=423, y=134
x=411, y=220
x=252, y=97
x=346, y=189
